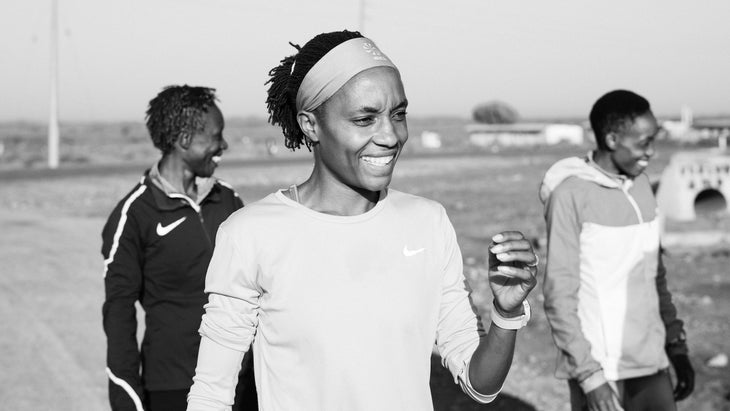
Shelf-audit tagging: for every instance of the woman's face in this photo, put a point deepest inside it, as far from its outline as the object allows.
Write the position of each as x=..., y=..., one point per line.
x=361, y=130
x=207, y=145
x=634, y=146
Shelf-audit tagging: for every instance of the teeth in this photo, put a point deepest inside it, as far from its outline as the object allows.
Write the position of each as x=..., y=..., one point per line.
x=378, y=161
x=216, y=159
x=642, y=163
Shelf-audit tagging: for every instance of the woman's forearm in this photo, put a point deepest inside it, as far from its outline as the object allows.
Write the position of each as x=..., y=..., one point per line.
x=492, y=359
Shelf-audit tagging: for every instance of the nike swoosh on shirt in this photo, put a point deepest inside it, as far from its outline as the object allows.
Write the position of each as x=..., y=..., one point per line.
x=165, y=230
x=411, y=253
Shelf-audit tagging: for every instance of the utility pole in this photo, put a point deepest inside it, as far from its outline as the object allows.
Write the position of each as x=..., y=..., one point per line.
x=53, y=133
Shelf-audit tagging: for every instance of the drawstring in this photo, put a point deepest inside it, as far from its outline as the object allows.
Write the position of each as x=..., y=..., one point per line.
x=293, y=190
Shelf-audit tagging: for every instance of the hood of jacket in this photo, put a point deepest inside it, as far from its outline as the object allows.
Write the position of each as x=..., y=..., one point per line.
x=583, y=168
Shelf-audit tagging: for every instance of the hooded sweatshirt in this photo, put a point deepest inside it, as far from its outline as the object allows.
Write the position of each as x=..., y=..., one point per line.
x=605, y=287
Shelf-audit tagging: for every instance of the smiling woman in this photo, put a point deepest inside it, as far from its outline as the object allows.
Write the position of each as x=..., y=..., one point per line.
x=350, y=108
x=156, y=246
x=341, y=283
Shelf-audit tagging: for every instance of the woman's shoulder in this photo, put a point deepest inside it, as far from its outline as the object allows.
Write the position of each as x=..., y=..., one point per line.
x=263, y=211
x=414, y=203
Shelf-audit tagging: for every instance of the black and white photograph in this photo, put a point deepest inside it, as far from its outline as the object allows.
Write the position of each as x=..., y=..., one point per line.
x=364, y=205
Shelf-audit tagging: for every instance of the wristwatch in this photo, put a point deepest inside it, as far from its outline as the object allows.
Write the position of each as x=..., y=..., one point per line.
x=513, y=323
x=681, y=338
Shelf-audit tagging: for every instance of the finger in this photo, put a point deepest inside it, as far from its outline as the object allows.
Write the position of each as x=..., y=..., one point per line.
x=616, y=404
x=507, y=236
x=678, y=393
x=683, y=390
x=609, y=405
x=514, y=272
x=606, y=405
x=525, y=257
x=690, y=382
x=511, y=245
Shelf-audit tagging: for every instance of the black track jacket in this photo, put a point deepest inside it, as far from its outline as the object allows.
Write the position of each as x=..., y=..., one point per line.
x=156, y=250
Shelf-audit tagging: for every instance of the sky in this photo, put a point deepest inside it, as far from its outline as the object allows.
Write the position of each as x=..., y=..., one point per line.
x=544, y=58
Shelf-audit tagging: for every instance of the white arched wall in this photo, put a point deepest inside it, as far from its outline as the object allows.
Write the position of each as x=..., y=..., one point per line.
x=689, y=173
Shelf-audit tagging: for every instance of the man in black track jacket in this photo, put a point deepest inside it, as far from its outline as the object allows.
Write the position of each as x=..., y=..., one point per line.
x=157, y=244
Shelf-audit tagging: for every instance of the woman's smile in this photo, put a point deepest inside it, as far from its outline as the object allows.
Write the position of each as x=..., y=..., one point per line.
x=379, y=161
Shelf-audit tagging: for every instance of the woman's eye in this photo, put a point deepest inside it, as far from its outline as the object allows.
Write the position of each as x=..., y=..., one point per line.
x=365, y=121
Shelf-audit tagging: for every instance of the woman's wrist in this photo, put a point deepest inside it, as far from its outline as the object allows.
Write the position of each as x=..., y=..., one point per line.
x=513, y=320
x=520, y=310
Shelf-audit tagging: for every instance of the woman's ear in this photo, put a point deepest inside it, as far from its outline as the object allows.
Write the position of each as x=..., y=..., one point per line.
x=184, y=139
x=308, y=124
x=611, y=140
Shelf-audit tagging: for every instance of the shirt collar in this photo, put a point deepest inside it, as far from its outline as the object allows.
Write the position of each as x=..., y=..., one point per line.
x=204, y=187
x=623, y=180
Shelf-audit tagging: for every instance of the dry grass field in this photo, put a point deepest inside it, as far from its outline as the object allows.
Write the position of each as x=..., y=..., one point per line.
x=51, y=285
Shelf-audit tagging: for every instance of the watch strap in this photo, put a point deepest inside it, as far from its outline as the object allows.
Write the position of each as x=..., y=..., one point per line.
x=513, y=323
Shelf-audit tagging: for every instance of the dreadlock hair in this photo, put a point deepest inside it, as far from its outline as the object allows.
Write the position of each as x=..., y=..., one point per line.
x=614, y=111
x=177, y=111
x=286, y=78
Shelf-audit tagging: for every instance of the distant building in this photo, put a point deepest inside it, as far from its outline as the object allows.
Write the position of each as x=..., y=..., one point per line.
x=524, y=134
x=681, y=129
x=695, y=181
x=691, y=130
x=718, y=129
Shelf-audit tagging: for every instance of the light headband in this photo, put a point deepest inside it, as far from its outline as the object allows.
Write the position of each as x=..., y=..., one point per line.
x=335, y=68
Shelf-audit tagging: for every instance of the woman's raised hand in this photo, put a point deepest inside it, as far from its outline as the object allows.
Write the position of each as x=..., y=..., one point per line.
x=512, y=269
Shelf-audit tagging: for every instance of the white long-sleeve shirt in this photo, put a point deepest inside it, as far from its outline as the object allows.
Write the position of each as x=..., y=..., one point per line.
x=343, y=311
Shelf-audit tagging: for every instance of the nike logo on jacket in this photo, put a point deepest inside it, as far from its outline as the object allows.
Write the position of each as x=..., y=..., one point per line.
x=165, y=230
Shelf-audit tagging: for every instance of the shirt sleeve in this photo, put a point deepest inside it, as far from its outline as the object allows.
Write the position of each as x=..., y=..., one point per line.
x=229, y=323
x=667, y=310
x=561, y=285
x=459, y=327
x=465, y=384
x=123, y=254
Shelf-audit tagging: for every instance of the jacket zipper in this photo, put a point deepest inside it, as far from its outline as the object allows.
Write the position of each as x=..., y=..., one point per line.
x=202, y=224
x=198, y=211
x=633, y=204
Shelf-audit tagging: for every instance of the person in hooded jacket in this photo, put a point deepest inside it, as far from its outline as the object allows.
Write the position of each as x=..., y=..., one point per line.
x=606, y=296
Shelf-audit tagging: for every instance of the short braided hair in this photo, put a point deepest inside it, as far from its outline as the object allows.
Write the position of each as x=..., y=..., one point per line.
x=176, y=111
x=286, y=78
x=614, y=111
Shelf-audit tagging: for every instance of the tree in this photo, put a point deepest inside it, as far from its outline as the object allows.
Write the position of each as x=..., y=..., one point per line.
x=495, y=112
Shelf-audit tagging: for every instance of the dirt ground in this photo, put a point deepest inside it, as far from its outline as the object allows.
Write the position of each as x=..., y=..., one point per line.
x=51, y=286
